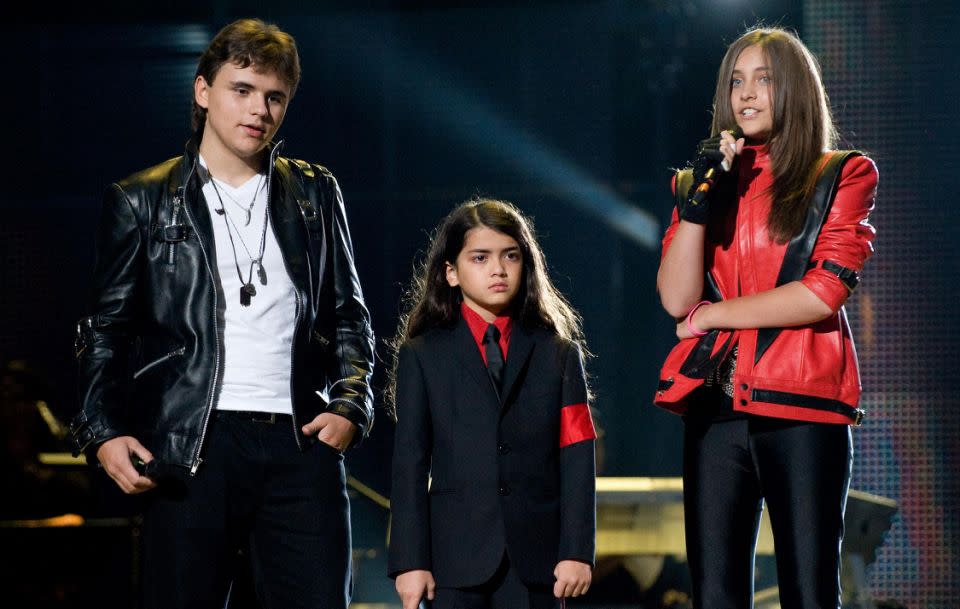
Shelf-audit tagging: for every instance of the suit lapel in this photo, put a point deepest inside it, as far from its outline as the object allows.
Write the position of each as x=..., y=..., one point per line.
x=469, y=355
x=521, y=346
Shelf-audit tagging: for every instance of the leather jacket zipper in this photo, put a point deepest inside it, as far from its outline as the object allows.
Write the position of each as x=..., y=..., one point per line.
x=211, y=398
x=174, y=216
x=158, y=361
x=197, y=461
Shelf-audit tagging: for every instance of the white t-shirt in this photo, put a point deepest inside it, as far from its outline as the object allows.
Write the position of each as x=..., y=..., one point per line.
x=258, y=338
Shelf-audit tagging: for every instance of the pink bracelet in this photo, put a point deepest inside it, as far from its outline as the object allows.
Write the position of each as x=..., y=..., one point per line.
x=690, y=327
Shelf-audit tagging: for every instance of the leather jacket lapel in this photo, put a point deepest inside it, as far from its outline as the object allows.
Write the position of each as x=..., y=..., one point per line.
x=288, y=226
x=189, y=193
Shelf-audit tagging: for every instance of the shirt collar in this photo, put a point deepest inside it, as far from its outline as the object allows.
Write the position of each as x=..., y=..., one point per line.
x=478, y=325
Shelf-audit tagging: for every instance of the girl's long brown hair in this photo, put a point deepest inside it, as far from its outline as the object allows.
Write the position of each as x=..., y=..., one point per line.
x=802, y=124
x=431, y=302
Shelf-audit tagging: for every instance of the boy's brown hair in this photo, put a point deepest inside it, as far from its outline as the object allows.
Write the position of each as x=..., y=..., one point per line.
x=244, y=43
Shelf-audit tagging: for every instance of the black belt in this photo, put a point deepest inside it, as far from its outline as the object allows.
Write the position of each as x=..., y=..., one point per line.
x=257, y=417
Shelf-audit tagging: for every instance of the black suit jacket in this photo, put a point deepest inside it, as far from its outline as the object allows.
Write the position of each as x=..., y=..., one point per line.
x=500, y=480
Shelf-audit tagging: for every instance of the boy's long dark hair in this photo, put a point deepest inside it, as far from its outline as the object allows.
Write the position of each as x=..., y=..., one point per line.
x=802, y=124
x=247, y=42
x=431, y=302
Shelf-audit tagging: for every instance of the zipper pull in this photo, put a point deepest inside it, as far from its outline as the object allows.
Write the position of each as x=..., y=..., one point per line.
x=177, y=202
x=174, y=216
x=196, y=466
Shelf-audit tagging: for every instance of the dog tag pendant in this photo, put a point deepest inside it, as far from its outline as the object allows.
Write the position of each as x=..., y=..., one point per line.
x=246, y=292
x=261, y=273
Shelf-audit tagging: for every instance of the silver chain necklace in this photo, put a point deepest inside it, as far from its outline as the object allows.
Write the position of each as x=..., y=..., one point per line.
x=248, y=290
x=247, y=210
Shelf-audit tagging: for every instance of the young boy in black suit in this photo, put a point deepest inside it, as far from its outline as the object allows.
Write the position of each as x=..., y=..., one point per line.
x=492, y=404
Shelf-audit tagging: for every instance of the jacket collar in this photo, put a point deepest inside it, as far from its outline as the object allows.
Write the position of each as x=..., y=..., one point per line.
x=191, y=154
x=284, y=217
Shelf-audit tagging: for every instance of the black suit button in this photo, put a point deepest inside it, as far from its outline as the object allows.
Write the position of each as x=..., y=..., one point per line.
x=503, y=448
x=504, y=490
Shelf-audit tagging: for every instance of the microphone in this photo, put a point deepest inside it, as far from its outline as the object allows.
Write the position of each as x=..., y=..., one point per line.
x=711, y=149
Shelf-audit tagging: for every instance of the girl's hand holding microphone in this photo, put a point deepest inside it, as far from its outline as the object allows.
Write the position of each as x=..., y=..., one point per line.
x=730, y=145
x=714, y=155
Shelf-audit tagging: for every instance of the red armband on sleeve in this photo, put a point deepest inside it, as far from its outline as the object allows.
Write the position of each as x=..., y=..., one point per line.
x=576, y=425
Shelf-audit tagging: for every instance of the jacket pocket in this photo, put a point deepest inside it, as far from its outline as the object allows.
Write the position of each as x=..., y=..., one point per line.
x=159, y=360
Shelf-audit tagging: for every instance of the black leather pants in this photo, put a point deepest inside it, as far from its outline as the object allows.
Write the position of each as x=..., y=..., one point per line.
x=802, y=470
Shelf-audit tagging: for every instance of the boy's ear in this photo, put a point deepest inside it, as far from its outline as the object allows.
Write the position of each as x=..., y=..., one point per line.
x=452, y=280
x=200, y=92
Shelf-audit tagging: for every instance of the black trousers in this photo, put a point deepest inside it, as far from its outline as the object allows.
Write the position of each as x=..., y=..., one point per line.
x=287, y=511
x=802, y=470
x=504, y=590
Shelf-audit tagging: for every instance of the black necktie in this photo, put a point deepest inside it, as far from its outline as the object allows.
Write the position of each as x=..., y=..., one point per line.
x=491, y=343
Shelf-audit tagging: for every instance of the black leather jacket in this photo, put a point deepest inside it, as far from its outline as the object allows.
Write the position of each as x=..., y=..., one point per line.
x=151, y=352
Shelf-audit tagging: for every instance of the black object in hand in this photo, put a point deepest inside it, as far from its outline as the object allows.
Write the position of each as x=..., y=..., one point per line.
x=710, y=147
x=706, y=170
x=139, y=464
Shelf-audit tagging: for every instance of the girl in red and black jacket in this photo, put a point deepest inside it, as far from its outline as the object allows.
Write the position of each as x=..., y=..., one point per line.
x=767, y=242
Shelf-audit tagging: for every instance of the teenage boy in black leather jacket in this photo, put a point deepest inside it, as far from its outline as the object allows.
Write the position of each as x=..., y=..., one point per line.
x=226, y=361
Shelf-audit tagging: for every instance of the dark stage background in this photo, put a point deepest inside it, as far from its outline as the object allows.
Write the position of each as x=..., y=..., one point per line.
x=573, y=110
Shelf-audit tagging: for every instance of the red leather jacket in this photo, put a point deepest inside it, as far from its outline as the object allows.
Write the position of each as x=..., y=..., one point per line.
x=808, y=372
